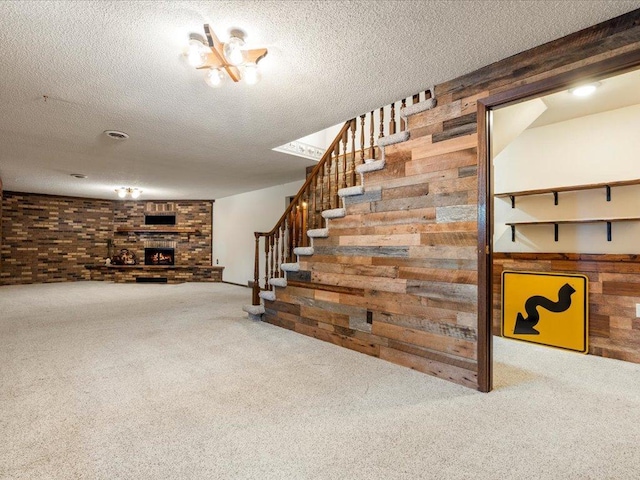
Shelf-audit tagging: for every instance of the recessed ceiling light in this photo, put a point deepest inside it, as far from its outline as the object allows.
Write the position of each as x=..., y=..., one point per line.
x=116, y=135
x=585, y=90
x=78, y=175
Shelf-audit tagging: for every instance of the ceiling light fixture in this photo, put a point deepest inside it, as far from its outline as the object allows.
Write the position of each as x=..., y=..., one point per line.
x=132, y=192
x=230, y=57
x=584, y=90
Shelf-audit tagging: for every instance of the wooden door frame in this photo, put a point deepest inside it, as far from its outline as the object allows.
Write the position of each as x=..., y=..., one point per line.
x=589, y=73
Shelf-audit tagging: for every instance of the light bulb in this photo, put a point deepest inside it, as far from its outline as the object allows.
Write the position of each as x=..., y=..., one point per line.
x=233, y=51
x=251, y=74
x=135, y=193
x=584, y=90
x=196, y=53
x=122, y=192
x=213, y=78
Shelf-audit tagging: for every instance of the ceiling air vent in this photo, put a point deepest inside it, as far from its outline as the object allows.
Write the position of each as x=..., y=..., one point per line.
x=116, y=134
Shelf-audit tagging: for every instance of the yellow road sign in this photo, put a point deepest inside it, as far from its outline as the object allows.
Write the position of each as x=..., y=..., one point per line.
x=546, y=308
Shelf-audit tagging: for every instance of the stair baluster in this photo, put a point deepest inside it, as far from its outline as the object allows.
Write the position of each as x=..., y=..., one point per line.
x=403, y=124
x=381, y=134
x=353, y=152
x=336, y=163
x=362, y=118
x=392, y=122
x=266, y=264
x=372, y=149
x=345, y=140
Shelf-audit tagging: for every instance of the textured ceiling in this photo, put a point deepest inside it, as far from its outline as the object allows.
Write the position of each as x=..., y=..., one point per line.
x=118, y=65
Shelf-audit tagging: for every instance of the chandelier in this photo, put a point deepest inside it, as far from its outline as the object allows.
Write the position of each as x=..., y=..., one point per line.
x=218, y=58
x=124, y=192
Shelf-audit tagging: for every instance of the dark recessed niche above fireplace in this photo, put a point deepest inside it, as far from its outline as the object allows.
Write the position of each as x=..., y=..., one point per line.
x=160, y=219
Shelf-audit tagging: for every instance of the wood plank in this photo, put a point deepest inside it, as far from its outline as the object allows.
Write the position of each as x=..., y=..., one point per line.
x=398, y=285
x=570, y=188
x=628, y=289
x=381, y=240
x=438, y=275
x=433, y=355
x=441, y=343
x=447, y=146
x=418, y=203
x=425, y=365
x=432, y=322
x=444, y=162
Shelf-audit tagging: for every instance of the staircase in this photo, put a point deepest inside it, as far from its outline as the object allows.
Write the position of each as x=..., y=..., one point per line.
x=335, y=182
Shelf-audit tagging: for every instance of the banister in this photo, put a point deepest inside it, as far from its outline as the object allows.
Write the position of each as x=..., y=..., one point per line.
x=319, y=192
x=314, y=172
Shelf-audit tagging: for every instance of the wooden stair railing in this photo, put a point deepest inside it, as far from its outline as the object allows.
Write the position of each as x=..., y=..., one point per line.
x=335, y=170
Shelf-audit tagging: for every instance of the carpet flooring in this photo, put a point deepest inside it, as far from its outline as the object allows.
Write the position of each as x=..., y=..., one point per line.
x=115, y=381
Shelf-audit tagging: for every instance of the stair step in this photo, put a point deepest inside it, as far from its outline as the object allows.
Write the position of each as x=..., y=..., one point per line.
x=255, y=310
x=303, y=251
x=418, y=107
x=290, y=267
x=269, y=295
x=393, y=139
x=278, y=282
x=351, y=191
x=371, y=166
x=334, y=213
x=318, y=233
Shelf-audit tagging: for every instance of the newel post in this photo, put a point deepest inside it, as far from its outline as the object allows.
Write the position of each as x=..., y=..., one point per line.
x=256, y=272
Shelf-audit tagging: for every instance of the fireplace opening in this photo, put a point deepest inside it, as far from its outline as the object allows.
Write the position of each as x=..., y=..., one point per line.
x=159, y=256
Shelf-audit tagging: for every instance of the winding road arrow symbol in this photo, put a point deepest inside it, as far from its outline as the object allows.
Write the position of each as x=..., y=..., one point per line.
x=524, y=326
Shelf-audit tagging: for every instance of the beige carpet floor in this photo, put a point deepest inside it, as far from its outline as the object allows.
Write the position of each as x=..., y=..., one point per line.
x=113, y=381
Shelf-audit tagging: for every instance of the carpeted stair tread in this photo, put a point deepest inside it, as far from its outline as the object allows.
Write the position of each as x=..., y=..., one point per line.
x=334, y=213
x=393, y=139
x=278, y=282
x=267, y=295
x=418, y=107
x=303, y=251
x=370, y=167
x=253, y=309
x=351, y=191
x=318, y=233
x=290, y=267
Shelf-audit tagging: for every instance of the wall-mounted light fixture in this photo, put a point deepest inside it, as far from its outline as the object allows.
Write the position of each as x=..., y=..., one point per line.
x=123, y=192
x=217, y=58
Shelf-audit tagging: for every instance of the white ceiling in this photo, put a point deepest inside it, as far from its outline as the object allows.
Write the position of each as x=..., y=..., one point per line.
x=118, y=65
x=612, y=93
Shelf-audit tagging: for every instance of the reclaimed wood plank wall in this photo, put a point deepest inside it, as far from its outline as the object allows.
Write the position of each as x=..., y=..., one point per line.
x=397, y=277
x=614, y=290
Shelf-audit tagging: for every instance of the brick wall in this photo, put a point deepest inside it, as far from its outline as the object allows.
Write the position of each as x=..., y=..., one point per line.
x=49, y=238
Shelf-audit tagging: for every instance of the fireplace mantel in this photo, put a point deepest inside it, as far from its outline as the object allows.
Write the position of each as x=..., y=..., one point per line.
x=157, y=229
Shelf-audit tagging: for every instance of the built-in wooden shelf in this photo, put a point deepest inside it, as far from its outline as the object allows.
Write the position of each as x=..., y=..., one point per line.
x=555, y=223
x=573, y=188
x=157, y=229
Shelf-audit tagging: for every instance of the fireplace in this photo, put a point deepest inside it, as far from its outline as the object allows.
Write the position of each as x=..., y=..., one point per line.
x=159, y=256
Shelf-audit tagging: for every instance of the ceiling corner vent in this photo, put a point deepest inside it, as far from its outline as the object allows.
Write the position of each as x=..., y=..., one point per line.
x=116, y=135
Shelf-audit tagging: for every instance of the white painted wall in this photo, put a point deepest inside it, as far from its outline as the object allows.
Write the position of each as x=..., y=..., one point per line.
x=592, y=149
x=236, y=218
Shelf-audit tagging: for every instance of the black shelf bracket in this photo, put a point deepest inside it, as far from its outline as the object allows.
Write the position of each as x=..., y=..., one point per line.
x=555, y=232
x=555, y=198
x=513, y=233
x=608, y=231
x=608, y=188
x=513, y=201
